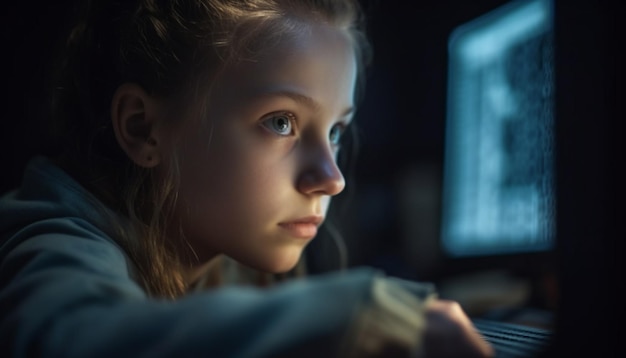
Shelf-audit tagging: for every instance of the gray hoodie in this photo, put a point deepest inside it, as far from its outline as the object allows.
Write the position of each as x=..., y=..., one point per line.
x=67, y=290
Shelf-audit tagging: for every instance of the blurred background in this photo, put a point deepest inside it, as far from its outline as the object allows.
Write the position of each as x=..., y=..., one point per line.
x=390, y=217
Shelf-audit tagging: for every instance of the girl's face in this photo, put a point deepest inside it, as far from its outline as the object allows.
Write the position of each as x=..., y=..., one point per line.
x=258, y=174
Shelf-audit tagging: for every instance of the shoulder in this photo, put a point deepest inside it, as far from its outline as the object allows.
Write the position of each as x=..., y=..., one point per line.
x=51, y=221
x=70, y=245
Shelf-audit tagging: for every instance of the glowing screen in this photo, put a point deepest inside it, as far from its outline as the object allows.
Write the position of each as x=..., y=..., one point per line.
x=498, y=190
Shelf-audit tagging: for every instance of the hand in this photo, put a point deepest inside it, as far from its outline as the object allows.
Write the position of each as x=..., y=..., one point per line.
x=450, y=333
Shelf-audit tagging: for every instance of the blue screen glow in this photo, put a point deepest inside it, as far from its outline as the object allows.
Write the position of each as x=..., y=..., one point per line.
x=499, y=194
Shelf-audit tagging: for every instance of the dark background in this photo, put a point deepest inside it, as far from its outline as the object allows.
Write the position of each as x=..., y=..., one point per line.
x=401, y=126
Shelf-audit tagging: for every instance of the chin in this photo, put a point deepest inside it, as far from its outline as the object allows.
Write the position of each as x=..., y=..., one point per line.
x=283, y=266
x=276, y=264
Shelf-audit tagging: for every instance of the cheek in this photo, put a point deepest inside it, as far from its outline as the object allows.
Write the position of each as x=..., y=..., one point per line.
x=210, y=203
x=232, y=186
x=212, y=181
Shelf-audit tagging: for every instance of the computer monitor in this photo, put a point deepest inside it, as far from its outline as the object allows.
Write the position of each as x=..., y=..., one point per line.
x=498, y=195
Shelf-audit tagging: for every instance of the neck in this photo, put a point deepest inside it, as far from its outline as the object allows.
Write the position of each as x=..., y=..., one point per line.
x=206, y=273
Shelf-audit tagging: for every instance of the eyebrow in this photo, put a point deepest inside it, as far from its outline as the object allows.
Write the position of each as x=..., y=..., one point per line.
x=303, y=100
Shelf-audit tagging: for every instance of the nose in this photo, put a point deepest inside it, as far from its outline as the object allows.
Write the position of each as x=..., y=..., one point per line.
x=320, y=174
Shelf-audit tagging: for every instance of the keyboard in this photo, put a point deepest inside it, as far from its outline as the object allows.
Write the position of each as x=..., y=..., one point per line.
x=513, y=340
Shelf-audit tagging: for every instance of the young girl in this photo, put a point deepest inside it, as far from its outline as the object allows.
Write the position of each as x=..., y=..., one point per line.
x=191, y=130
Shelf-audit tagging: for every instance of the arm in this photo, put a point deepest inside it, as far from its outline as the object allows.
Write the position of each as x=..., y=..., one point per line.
x=69, y=294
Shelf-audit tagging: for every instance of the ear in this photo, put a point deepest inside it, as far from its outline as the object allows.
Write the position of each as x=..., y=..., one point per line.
x=134, y=115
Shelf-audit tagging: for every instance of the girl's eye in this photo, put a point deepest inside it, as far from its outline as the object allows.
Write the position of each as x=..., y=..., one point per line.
x=280, y=123
x=335, y=134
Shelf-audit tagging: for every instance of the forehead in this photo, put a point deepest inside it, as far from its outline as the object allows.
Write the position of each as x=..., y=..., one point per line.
x=318, y=61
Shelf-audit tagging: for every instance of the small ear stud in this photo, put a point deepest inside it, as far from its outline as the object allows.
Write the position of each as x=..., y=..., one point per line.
x=149, y=158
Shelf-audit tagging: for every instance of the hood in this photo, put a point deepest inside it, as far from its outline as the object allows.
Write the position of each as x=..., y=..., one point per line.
x=46, y=192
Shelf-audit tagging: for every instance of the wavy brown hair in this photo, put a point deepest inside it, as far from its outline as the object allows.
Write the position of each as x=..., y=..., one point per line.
x=171, y=48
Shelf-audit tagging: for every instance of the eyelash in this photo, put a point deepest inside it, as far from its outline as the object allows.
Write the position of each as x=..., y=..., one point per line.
x=290, y=117
x=269, y=121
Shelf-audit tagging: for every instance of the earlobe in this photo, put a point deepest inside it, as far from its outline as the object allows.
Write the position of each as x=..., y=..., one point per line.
x=133, y=116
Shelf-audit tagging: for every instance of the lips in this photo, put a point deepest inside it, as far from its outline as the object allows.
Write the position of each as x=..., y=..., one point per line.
x=304, y=228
